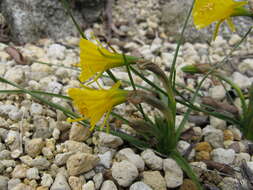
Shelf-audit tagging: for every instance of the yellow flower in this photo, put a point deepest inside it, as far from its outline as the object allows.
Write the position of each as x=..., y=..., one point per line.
x=206, y=12
x=94, y=60
x=93, y=104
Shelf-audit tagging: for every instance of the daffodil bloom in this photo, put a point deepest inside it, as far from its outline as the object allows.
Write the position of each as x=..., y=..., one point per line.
x=206, y=12
x=95, y=59
x=93, y=103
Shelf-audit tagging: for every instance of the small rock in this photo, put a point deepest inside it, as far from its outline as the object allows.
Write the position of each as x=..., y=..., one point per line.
x=32, y=173
x=203, y=155
x=199, y=168
x=129, y=155
x=183, y=146
x=215, y=138
x=34, y=147
x=98, y=180
x=46, y=180
x=61, y=159
x=124, y=172
x=5, y=155
x=240, y=157
x=108, y=185
x=90, y=174
x=56, y=51
x=188, y=185
x=15, y=75
x=13, y=140
x=228, y=135
x=79, y=133
x=246, y=65
x=154, y=179
x=236, y=133
x=218, y=123
x=76, y=183
x=47, y=153
x=54, y=87
x=153, y=161
x=223, y=156
x=229, y=183
x=73, y=146
x=139, y=186
x=203, y=146
x=234, y=39
x=60, y=183
x=173, y=173
x=89, y=186
x=41, y=163
x=19, y=172
x=241, y=80
x=106, y=159
x=4, y=183
x=109, y=140
x=81, y=162
x=36, y=109
x=13, y=182
x=217, y=92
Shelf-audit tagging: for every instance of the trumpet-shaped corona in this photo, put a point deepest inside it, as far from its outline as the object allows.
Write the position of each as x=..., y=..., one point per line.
x=206, y=12
x=93, y=104
x=94, y=60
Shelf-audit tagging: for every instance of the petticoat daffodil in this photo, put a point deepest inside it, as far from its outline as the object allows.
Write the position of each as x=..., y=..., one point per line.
x=94, y=60
x=93, y=103
x=206, y=12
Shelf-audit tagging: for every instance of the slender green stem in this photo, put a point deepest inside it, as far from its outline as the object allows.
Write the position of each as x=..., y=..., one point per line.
x=172, y=71
x=65, y=3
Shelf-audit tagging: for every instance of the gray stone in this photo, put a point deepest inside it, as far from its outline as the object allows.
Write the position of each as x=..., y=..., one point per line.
x=89, y=186
x=173, y=173
x=108, y=185
x=124, y=172
x=129, y=155
x=31, y=20
x=46, y=180
x=4, y=183
x=214, y=137
x=13, y=140
x=60, y=183
x=5, y=155
x=139, y=186
x=10, y=111
x=32, y=173
x=81, y=162
x=106, y=159
x=41, y=163
x=56, y=51
x=36, y=109
x=22, y=186
x=76, y=183
x=241, y=80
x=2, y=168
x=223, y=156
x=12, y=183
x=98, y=180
